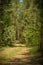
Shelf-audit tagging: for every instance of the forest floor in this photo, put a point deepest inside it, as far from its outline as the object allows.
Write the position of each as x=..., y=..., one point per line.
x=17, y=56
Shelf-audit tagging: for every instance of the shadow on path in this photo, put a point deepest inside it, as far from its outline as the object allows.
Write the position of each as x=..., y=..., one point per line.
x=23, y=58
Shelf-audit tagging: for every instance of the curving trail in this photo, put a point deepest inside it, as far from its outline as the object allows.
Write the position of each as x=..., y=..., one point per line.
x=23, y=57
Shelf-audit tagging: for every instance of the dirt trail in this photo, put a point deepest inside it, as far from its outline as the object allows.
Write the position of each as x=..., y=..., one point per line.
x=22, y=58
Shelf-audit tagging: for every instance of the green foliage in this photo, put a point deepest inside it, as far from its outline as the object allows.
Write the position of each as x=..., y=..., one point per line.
x=30, y=25
x=20, y=21
x=9, y=35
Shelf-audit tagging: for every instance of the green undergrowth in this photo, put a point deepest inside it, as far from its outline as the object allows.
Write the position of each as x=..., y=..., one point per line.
x=33, y=49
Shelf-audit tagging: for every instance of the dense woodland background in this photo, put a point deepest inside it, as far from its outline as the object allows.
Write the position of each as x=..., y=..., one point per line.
x=21, y=20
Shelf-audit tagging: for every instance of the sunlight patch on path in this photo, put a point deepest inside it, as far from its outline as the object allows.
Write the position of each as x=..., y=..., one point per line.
x=22, y=57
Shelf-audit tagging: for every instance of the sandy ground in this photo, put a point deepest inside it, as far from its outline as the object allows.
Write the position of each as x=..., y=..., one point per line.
x=22, y=58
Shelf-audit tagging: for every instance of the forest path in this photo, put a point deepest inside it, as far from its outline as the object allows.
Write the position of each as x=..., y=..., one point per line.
x=23, y=57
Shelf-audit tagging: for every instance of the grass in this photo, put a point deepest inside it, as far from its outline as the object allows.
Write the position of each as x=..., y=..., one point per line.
x=33, y=49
